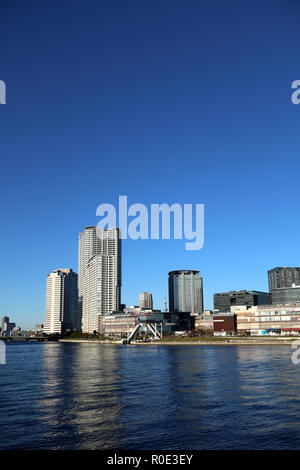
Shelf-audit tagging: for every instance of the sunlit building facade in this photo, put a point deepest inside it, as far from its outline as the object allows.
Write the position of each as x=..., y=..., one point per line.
x=61, y=301
x=268, y=319
x=223, y=301
x=185, y=291
x=100, y=277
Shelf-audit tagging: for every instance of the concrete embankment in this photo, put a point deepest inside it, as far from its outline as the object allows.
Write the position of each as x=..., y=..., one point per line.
x=228, y=342
x=217, y=343
x=94, y=341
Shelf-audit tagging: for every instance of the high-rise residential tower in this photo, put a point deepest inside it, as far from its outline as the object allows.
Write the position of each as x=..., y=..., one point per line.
x=99, y=271
x=185, y=291
x=61, y=301
x=283, y=277
x=89, y=245
x=146, y=301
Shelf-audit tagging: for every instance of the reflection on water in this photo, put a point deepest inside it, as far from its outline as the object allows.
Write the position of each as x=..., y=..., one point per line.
x=90, y=396
x=80, y=396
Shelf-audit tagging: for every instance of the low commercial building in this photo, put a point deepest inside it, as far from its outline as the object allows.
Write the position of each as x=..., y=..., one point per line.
x=204, y=322
x=221, y=324
x=224, y=324
x=120, y=323
x=208, y=312
x=268, y=320
x=137, y=309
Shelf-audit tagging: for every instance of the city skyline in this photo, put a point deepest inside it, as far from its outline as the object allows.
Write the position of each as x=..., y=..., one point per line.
x=166, y=104
x=155, y=303
x=99, y=263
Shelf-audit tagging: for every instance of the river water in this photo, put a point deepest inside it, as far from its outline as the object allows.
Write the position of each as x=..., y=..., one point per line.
x=91, y=396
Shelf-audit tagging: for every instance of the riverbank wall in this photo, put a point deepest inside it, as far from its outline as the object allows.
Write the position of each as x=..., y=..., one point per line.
x=227, y=342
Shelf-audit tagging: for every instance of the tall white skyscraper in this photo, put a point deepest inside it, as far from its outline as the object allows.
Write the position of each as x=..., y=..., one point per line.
x=89, y=245
x=99, y=272
x=61, y=301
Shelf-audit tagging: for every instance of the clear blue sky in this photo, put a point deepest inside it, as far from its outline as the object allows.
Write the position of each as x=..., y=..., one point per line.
x=162, y=101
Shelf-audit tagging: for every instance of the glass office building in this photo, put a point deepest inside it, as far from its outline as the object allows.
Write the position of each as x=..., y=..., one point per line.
x=283, y=277
x=286, y=296
x=185, y=291
x=224, y=300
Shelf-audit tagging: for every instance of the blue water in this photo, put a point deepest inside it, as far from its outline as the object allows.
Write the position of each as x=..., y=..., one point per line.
x=90, y=396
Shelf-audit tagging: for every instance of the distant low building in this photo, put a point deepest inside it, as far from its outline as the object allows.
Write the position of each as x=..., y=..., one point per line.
x=137, y=309
x=6, y=326
x=208, y=312
x=39, y=328
x=26, y=333
x=16, y=331
x=132, y=309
